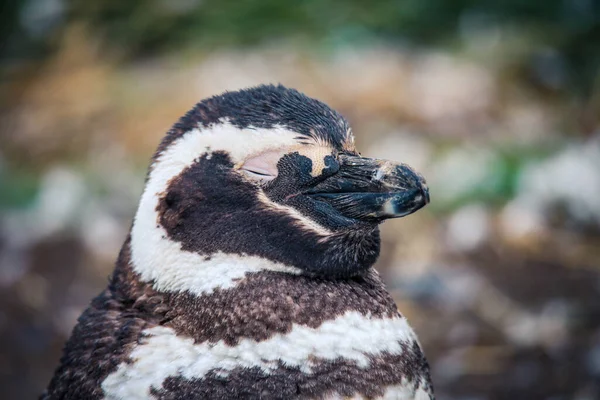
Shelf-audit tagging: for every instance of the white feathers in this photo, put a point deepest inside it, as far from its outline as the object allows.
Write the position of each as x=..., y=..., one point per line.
x=404, y=392
x=420, y=394
x=351, y=336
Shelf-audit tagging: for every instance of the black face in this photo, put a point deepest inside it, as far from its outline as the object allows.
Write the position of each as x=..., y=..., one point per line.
x=351, y=192
x=213, y=207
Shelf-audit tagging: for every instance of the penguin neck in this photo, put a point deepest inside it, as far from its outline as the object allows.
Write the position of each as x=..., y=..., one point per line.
x=184, y=272
x=256, y=307
x=131, y=293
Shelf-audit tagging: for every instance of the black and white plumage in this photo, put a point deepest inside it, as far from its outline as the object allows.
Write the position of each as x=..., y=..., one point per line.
x=247, y=272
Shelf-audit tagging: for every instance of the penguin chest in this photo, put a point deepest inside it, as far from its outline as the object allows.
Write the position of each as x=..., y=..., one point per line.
x=277, y=337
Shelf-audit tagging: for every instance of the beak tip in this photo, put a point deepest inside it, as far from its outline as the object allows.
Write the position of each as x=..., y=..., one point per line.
x=415, y=193
x=425, y=192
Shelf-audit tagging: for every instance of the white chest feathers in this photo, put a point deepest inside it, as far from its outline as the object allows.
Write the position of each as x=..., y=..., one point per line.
x=352, y=337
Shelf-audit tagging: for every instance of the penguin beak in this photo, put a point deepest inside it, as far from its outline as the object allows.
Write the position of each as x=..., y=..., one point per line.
x=372, y=190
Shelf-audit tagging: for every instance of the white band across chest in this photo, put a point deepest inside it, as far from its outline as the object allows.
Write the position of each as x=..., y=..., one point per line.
x=352, y=336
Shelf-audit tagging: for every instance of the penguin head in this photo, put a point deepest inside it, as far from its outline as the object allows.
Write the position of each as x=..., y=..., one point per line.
x=268, y=172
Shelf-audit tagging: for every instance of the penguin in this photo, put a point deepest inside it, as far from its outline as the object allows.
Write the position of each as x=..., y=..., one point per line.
x=248, y=270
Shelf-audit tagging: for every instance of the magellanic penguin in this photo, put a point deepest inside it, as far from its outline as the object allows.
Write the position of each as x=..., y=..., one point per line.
x=247, y=272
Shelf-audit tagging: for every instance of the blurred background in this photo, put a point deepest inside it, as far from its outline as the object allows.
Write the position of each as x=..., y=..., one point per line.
x=497, y=103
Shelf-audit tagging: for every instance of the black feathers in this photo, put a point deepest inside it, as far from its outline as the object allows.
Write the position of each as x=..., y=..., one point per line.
x=209, y=208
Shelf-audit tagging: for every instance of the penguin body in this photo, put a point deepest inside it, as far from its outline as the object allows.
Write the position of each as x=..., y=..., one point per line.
x=247, y=272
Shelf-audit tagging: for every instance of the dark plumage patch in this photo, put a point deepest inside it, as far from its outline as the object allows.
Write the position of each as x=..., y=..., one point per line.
x=269, y=303
x=264, y=107
x=327, y=377
x=210, y=208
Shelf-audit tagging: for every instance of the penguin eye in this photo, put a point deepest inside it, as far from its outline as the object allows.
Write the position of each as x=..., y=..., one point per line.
x=262, y=167
x=258, y=174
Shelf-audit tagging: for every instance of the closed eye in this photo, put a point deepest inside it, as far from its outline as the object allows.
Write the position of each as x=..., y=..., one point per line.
x=258, y=174
x=263, y=166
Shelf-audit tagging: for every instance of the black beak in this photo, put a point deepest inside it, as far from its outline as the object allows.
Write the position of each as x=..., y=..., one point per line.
x=372, y=190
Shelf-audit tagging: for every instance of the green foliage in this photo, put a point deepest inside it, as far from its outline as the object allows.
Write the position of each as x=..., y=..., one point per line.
x=150, y=25
x=18, y=189
x=146, y=27
x=500, y=181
